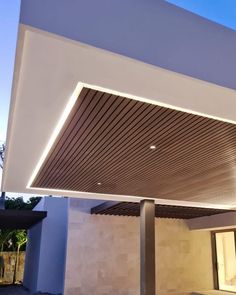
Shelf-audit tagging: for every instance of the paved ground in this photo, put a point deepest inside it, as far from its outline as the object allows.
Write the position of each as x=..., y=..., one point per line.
x=16, y=290
x=13, y=290
x=212, y=292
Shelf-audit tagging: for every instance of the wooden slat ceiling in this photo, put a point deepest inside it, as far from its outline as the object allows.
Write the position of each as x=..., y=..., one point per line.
x=104, y=147
x=161, y=211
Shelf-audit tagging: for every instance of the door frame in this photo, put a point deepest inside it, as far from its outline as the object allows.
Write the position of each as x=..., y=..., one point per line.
x=214, y=256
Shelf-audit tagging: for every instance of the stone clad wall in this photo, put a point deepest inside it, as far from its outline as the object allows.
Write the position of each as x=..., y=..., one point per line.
x=184, y=258
x=103, y=255
x=9, y=261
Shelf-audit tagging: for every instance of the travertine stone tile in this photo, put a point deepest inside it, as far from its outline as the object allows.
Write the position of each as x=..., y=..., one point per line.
x=103, y=255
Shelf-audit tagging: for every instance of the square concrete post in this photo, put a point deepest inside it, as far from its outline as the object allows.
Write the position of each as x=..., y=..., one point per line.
x=2, y=200
x=147, y=247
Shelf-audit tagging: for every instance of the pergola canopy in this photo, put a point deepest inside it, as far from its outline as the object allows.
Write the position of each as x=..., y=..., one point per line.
x=20, y=219
x=186, y=108
x=161, y=211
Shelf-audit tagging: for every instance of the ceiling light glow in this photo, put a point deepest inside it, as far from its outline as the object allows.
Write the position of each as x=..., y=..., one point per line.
x=68, y=108
x=56, y=131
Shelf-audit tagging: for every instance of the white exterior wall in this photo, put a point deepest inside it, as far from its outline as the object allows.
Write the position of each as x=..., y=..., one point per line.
x=46, y=248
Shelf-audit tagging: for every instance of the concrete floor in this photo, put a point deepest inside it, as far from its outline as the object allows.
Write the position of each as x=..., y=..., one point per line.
x=17, y=290
x=13, y=290
x=212, y=292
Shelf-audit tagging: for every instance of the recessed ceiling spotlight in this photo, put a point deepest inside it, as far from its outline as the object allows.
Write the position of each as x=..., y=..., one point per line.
x=99, y=183
x=152, y=147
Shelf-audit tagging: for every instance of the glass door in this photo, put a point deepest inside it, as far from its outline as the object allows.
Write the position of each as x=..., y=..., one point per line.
x=226, y=260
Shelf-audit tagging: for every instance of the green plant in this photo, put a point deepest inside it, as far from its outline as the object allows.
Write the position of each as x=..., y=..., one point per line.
x=5, y=236
x=21, y=239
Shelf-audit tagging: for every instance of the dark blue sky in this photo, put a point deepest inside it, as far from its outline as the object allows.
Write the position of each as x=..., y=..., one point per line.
x=9, y=15
x=220, y=11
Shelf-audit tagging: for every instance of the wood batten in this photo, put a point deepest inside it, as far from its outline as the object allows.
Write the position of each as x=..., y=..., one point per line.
x=161, y=211
x=104, y=147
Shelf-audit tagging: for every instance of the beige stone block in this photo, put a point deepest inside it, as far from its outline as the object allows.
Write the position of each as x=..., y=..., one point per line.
x=103, y=255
